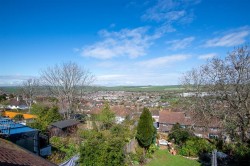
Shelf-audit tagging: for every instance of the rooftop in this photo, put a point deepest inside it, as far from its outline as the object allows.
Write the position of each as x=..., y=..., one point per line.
x=174, y=117
x=13, y=155
x=8, y=127
x=65, y=123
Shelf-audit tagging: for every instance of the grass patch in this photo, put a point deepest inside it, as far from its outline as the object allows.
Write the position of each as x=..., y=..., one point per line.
x=164, y=158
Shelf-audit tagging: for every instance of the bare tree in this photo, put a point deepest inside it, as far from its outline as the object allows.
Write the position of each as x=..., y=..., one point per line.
x=66, y=81
x=29, y=89
x=221, y=89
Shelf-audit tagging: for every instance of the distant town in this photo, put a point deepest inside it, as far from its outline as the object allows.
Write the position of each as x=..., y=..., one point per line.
x=125, y=83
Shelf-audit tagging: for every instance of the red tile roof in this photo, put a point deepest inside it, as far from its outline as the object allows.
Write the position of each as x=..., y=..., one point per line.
x=174, y=117
x=170, y=117
x=118, y=110
x=13, y=155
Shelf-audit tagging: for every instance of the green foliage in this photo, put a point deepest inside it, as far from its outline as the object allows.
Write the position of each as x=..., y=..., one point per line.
x=137, y=156
x=4, y=103
x=104, y=145
x=3, y=97
x=18, y=117
x=45, y=116
x=106, y=117
x=146, y=132
x=121, y=130
x=196, y=146
x=179, y=134
x=240, y=152
x=38, y=109
x=53, y=115
x=102, y=149
x=64, y=148
x=151, y=150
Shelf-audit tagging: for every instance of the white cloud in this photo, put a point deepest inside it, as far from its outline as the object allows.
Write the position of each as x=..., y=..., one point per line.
x=180, y=44
x=135, y=42
x=163, y=29
x=161, y=61
x=13, y=80
x=231, y=38
x=207, y=56
x=139, y=79
x=170, y=11
x=126, y=42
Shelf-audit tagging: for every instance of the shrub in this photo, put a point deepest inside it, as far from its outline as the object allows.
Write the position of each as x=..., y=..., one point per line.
x=18, y=117
x=179, y=134
x=102, y=149
x=239, y=151
x=64, y=148
x=196, y=146
x=151, y=150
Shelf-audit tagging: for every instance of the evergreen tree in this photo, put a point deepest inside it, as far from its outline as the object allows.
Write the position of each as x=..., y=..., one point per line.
x=106, y=117
x=146, y=131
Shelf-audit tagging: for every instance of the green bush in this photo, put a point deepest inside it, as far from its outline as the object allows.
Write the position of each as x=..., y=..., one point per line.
x=151, y=150
x=18, y=117
x=196, y=146
x=239, y=151
x=102, y=149
x=179, y=134
x=64, y=146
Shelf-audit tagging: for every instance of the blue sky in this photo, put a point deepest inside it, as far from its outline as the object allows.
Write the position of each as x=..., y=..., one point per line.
x=125, y=42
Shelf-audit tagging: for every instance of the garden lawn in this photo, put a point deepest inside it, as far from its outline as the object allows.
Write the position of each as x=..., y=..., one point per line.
x=164, y=158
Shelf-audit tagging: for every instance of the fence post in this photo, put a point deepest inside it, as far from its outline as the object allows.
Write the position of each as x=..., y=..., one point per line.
x=214, y=157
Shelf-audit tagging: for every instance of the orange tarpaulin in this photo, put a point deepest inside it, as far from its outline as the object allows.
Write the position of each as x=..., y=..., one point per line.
x=13, y=114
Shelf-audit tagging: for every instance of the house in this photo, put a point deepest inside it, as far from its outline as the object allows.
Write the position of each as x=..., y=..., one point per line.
x=17, y=103
x=168, y=118
x=155, y=116
x=24, y=136
x=14, y=155
x=64, y=127
x=121, y=112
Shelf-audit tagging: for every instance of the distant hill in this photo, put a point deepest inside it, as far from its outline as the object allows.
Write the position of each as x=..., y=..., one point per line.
x=142, y=88
x=149, y=88
x=10, y=89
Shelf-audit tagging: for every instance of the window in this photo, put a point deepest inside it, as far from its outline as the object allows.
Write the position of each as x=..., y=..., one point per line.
x=213, y=136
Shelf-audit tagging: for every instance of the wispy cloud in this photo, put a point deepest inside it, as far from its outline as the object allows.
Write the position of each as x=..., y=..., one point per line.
x=168, y=12
x=207, y=56
x=231, y=38
x=110, y=77
x=126, y=42
x=161, y=61
x=135, y=42
x=181, y=43
x=76, y=49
